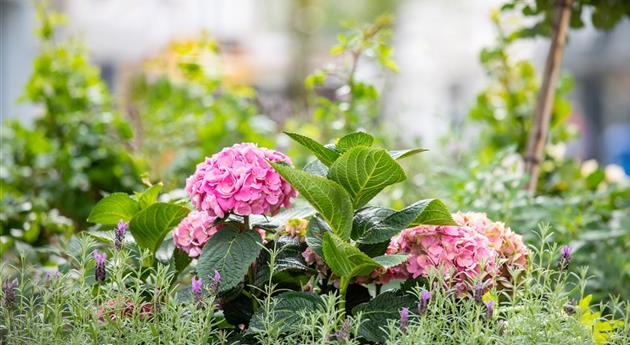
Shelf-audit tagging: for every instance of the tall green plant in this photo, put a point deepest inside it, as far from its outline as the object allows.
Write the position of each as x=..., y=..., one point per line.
x=76, y=149
x=348, y=175
x=339, y=100
x=505, y=107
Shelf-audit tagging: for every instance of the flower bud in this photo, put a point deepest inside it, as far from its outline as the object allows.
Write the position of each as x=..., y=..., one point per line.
x=489, y=309
x=8, y=289
x=196, y=286
x=121, y=229
x=99, y=269
x=425, y=296
x=565, y=258
x=404, y=319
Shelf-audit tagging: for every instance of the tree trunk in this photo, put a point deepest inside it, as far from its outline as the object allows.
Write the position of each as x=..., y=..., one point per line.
x=544, y=105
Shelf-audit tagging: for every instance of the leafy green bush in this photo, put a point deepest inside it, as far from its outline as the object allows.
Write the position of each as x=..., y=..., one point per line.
x=74, y=151
x=140, y=304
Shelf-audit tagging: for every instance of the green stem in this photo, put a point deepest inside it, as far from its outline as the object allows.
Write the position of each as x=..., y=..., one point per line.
x=246, y=222
x=343, y=288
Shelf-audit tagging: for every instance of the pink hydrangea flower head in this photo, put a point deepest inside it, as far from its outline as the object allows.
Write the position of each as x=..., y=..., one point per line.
x=459, y=252
x=239, y=180
x=508, y=244
x=193, y=232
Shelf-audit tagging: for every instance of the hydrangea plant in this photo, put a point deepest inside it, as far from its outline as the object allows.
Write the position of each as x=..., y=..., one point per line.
x=340, y=245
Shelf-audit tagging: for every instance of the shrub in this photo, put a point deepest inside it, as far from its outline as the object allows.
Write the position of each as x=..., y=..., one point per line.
x=265, y=278
x=54, y=171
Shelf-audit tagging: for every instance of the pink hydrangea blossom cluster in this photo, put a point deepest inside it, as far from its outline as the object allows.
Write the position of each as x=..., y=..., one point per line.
x=460, y=252
x=239, y=180
x=508, y=244
x=194, y=231
x=477, y=245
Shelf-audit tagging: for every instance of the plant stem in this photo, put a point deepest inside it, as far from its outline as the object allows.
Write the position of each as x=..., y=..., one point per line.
x=343, y=287
x=246, y=222
x=538, y=135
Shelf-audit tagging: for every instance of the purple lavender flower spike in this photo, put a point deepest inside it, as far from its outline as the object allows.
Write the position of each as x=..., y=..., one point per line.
x=425, y=296
x=343, y=333
x=99, y=269
x=8, y=289
x=489, y=309
x=121, y=229
x=565, y=258
x=404, y=319
x=478, y=292
x=196, y=286
x=214, y=282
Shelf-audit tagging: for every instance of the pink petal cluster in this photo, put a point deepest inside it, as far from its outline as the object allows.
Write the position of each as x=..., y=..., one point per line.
x=194, y=231
x=477, y=245
x=239, y=180
x=460, y=252
x=508, y=244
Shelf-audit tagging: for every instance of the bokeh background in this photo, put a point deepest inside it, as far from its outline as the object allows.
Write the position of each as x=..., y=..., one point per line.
x=272, y=45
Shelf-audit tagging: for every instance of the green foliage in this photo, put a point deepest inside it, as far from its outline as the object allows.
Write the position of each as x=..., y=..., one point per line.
x=140, y=304
x=149, y=221
x=364, y=172
x=356, y=175
x=326, y=196
x=339, y=101
x=381, y=310
x=230, y=252
x=505, y=107
x=114, y=208
x=185, y=109
x=604, y=14
x=585, y=207
x=324, y=154
x=344, y=259
x=76, y=149
x=373, y=225
x=287, y=310
x=150, y=226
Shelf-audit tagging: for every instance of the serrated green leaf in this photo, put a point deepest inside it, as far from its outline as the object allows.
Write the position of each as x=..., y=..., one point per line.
x=344, y=259
x=288, y=308
x=150, y=225
x=112, y=208
x=375, y=225
x=324, y=154
x=290, y=255
x=367, y=219
x=354, y=139
x=379, y=311
x=364, y=172
x=400, y=154
x=388, y=261
x=327, y=197
x=149, y=196
x=314, y=234
x=230, y=252
x=435, y=213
